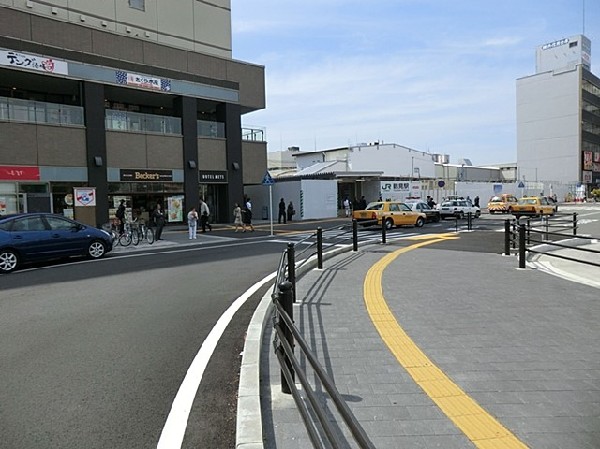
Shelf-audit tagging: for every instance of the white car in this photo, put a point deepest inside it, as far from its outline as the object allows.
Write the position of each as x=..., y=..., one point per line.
x=458, y=209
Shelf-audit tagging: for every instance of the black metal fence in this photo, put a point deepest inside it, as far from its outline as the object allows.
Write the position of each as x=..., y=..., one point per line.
x=547, y=235
x=287, y=337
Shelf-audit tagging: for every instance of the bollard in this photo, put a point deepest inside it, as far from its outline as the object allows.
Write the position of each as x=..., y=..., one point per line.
x=285, y=299
x=383, y=231
x=469, y=221
x=507, y=238
x=319, y=248
x=354, y=235
x=574, y=223
x=291, y=264
x=521, y=246
x=528, y=231
x=455, y=222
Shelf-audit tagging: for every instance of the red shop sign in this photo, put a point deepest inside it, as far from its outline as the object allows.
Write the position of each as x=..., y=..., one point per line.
x=16, y=173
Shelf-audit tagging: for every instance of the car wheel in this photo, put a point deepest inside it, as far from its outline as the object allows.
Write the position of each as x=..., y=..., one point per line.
x=389, y=223
x=492, y=212
x=420, y=222
x=9, y=261
x=96, y=249
x=477, y=214
x=437, y=219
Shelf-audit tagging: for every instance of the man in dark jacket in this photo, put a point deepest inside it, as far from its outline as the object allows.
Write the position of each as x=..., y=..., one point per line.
x=281, y=212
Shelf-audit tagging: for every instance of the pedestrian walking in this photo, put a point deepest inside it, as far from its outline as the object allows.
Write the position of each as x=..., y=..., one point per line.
x=120, y=214
x=247, y=215
x=204, y=215
x=476, y=201
x=237, y=218
x=346, y=205
x=192, y=219
x=159, y=220
x=281, y=212
x=290, y=211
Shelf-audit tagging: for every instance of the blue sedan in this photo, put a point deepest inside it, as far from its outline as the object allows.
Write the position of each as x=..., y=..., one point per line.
x=38, y=237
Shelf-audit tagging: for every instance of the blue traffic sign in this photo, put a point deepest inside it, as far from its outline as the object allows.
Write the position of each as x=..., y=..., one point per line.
x=521, y=184
x=268, y=179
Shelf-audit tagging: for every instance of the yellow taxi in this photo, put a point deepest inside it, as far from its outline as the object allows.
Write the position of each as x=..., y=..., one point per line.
x=533, y=206
x=390, y=213
x=501, y=204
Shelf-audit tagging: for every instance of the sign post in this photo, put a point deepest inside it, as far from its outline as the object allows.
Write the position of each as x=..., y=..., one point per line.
x=269, y=181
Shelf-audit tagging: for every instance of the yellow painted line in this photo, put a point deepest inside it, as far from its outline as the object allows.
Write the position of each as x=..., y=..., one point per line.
x=478, y=425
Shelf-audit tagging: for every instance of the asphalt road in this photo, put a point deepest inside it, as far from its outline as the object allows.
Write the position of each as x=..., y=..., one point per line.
x=94, y=352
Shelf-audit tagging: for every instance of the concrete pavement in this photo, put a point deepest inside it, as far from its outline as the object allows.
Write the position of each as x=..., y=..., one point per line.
x=497, y=356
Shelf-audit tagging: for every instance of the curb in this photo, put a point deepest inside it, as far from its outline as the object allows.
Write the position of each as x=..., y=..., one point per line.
x=249, y=427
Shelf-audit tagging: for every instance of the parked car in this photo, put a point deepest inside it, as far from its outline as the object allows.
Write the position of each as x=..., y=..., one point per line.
x=458, y=209
x=34, y=237
x=431, y=214
x=390, y=213
x=534, y=206
x=501, y=203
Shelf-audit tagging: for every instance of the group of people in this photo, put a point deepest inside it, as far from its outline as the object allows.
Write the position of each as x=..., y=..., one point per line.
x=193, y=217
x=356, y=205
x=158, y=218
x=285, y=213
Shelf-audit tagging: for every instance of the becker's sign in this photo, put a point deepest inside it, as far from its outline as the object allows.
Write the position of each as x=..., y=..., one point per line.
x=145, y=175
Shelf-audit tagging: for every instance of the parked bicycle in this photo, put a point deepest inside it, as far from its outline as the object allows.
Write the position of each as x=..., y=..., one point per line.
x=119, y=238
x=140, y=232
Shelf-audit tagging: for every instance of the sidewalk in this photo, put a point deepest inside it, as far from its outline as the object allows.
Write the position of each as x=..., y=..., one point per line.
x=520, y=347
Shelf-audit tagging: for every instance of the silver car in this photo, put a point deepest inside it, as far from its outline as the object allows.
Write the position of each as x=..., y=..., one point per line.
x=458, y=209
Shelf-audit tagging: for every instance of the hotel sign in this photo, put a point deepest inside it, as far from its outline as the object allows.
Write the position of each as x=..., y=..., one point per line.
x=146, y=175
x=212, y=177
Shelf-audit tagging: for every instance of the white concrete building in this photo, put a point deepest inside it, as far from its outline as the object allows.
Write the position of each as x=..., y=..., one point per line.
x=558, y=117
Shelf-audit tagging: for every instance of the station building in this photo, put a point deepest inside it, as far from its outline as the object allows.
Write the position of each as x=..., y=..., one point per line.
x=133, y=99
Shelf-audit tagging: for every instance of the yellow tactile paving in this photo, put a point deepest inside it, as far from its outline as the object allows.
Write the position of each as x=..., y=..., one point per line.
x=479, y=426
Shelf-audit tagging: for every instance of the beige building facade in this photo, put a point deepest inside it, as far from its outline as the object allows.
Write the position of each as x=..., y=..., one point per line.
x=92, y=92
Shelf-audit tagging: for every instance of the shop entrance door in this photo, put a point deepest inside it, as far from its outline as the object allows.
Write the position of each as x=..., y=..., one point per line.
x=215, y=196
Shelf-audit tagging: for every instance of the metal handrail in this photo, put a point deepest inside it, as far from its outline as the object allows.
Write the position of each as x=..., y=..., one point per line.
x=286, y=334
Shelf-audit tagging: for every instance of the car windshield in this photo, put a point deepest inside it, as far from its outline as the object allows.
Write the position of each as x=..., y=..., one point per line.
x=496, y=199
x=528, y=201
x=374, y=206
x=448, y=204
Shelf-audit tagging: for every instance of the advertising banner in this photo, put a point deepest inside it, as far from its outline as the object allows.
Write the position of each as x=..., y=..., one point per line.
x=175, y=208
x=587, y=160
x=85, y=196
x=18, y=173
x=32, y=62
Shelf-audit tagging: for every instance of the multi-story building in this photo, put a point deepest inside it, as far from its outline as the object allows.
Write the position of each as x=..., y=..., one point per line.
x=558, y=117
x=134, y=99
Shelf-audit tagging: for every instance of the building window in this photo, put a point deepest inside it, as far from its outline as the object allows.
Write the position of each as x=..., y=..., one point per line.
x=138, y=4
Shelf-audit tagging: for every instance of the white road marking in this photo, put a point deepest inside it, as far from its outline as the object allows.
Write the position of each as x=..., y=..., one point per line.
x=173, y=432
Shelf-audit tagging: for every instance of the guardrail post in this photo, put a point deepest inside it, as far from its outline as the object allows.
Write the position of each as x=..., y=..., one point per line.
x=469, y=221
x=514, y=233
x=319, y=248
x=521, y=246
x=546, y=220
x=354, y=235
x=507, y=237
x=528, y=231
x=383, y=230
x=455, y=223
x=574, y=223
x=291, y=264
x=285, y=298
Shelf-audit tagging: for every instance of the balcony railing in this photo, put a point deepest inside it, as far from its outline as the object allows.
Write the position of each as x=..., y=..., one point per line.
x=28, y=111
x=211, y=129
x=135, y=122
x=254, y=134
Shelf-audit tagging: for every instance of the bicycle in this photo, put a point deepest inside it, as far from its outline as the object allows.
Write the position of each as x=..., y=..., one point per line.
x=140, y=232
x=113, y=227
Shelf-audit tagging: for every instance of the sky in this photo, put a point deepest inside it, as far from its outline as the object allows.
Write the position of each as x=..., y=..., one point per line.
x=433, y=75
